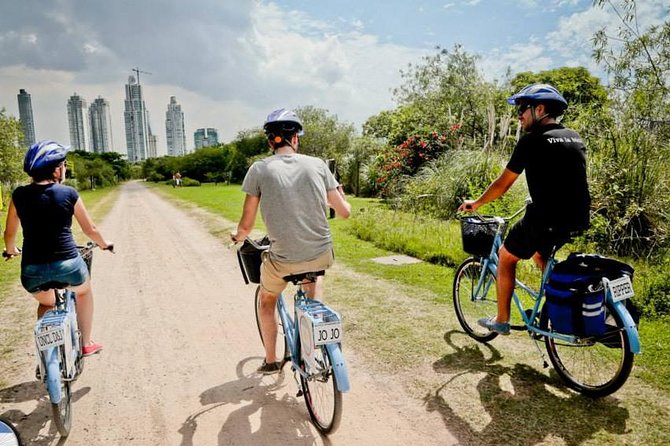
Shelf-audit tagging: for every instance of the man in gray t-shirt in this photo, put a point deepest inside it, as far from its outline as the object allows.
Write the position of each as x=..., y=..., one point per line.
x=294, y=192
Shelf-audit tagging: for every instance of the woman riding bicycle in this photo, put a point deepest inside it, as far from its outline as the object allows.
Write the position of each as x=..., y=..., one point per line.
x=44, y=209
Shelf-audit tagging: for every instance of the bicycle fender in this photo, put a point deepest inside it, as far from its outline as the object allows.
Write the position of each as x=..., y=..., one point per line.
x=53, y=379
x=339, y=367
x=629, y=326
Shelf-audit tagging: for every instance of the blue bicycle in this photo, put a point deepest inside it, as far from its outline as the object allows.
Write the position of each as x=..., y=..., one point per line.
x=310, y=340
x=59, y=347
x=595, y=365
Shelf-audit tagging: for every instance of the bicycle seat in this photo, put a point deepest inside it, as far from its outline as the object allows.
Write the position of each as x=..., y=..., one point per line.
x=54, y=285
x=297, y=278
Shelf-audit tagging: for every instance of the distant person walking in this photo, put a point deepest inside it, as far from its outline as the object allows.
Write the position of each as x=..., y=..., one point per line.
x=177, y=179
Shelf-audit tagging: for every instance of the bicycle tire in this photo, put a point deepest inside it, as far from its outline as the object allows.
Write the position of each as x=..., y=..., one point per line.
x=595, y=367
x=280, y=351
x=322, y=397
x=62, y=411
x=469, y=309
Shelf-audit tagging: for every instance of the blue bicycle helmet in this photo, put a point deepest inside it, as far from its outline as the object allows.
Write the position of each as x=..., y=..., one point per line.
x=283, y=121
x=537, y=93
x=43, y=155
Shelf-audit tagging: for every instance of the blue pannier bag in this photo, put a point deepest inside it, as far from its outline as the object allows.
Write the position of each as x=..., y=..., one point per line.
x=576, y=295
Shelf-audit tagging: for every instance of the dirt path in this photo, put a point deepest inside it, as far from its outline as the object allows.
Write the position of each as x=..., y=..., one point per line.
x=181, y=349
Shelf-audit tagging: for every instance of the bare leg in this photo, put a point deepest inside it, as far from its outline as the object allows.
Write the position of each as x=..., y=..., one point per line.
x=505, y=283
x=269, y=324
x=85, y=310
x=314, y=290
x=46, y=299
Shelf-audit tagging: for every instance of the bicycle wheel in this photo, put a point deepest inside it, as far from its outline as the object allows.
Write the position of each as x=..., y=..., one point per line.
x=62, y=411
x=596, y=366
x=281, y=349
x=323, y=400
x=471, y=307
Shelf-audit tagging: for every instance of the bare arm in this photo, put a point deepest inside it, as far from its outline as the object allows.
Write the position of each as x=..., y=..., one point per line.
x=248, y=219
x=496, y=189
x=87, y=225
x=338, y=202
x=11, y=229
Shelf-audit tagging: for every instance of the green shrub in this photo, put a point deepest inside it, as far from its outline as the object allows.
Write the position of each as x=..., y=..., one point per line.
x=442, y=185
x=189, y=182
x=155, y=177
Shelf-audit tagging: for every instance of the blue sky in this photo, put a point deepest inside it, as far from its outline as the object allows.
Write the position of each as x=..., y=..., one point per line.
x=229, y=62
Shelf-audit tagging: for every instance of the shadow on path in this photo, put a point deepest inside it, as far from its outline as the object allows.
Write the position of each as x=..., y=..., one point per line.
x=31, y=424
x=535, y=408
x=261, y=417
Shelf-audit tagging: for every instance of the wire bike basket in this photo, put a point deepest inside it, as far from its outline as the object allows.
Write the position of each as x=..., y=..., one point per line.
x=249, y=258
x=86, y=254
x=478, y=234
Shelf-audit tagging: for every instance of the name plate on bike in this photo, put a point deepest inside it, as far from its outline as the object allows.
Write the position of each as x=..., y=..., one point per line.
x=327, y=333
x=621, y=288
x=51, y=337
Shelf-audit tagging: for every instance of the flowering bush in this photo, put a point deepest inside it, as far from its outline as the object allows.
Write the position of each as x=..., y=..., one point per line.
x=404, y=160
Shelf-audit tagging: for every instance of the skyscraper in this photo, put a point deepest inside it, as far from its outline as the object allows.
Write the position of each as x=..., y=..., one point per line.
x=77, y=115
x=174, y=129
x=26, y=117
x=205, y=138
x=101, y=126
x=136, y=121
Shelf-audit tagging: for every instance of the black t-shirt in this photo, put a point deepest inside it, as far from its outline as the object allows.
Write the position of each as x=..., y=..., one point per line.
x=45, y=211
x=554, y=159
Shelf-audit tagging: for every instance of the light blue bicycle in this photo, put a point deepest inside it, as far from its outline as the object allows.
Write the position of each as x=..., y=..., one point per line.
x=596, y=365
x=59, y=348
x=310, y=340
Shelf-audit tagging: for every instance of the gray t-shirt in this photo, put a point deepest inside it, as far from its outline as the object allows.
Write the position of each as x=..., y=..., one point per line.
x=293, y=204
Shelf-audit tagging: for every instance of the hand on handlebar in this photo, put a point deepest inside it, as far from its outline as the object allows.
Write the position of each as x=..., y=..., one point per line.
x=468, y=206
x=11, y=255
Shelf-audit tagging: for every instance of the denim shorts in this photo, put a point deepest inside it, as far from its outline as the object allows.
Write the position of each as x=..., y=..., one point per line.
x=71, y=271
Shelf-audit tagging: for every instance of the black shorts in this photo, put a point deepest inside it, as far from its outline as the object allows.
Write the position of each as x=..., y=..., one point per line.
x=527, y=237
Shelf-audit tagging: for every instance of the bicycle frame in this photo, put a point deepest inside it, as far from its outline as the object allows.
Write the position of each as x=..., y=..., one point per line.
x=60, y=362
x=490, y=264
x=292, y=333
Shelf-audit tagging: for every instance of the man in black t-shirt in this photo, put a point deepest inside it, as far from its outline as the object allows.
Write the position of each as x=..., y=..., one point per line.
x=554, y=160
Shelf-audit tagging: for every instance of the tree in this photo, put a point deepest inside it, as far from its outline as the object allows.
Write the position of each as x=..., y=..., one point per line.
x=11, y=152
x=631, y=183
x=447, y=89
x=325, y=137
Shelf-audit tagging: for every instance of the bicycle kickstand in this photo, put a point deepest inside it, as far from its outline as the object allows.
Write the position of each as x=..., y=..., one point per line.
x=545, y=364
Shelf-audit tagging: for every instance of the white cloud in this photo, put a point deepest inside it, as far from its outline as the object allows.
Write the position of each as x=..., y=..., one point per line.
x=228, y=63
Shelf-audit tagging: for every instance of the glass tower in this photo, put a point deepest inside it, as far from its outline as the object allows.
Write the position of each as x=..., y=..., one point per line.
x=205, y=138
x=136, y=120
x=77, y=115
x=174, y=129
x=101, y=126
x=26, y=117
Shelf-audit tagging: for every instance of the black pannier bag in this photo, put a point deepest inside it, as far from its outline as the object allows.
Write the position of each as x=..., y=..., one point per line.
x=250, y=261
x=576, y=294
